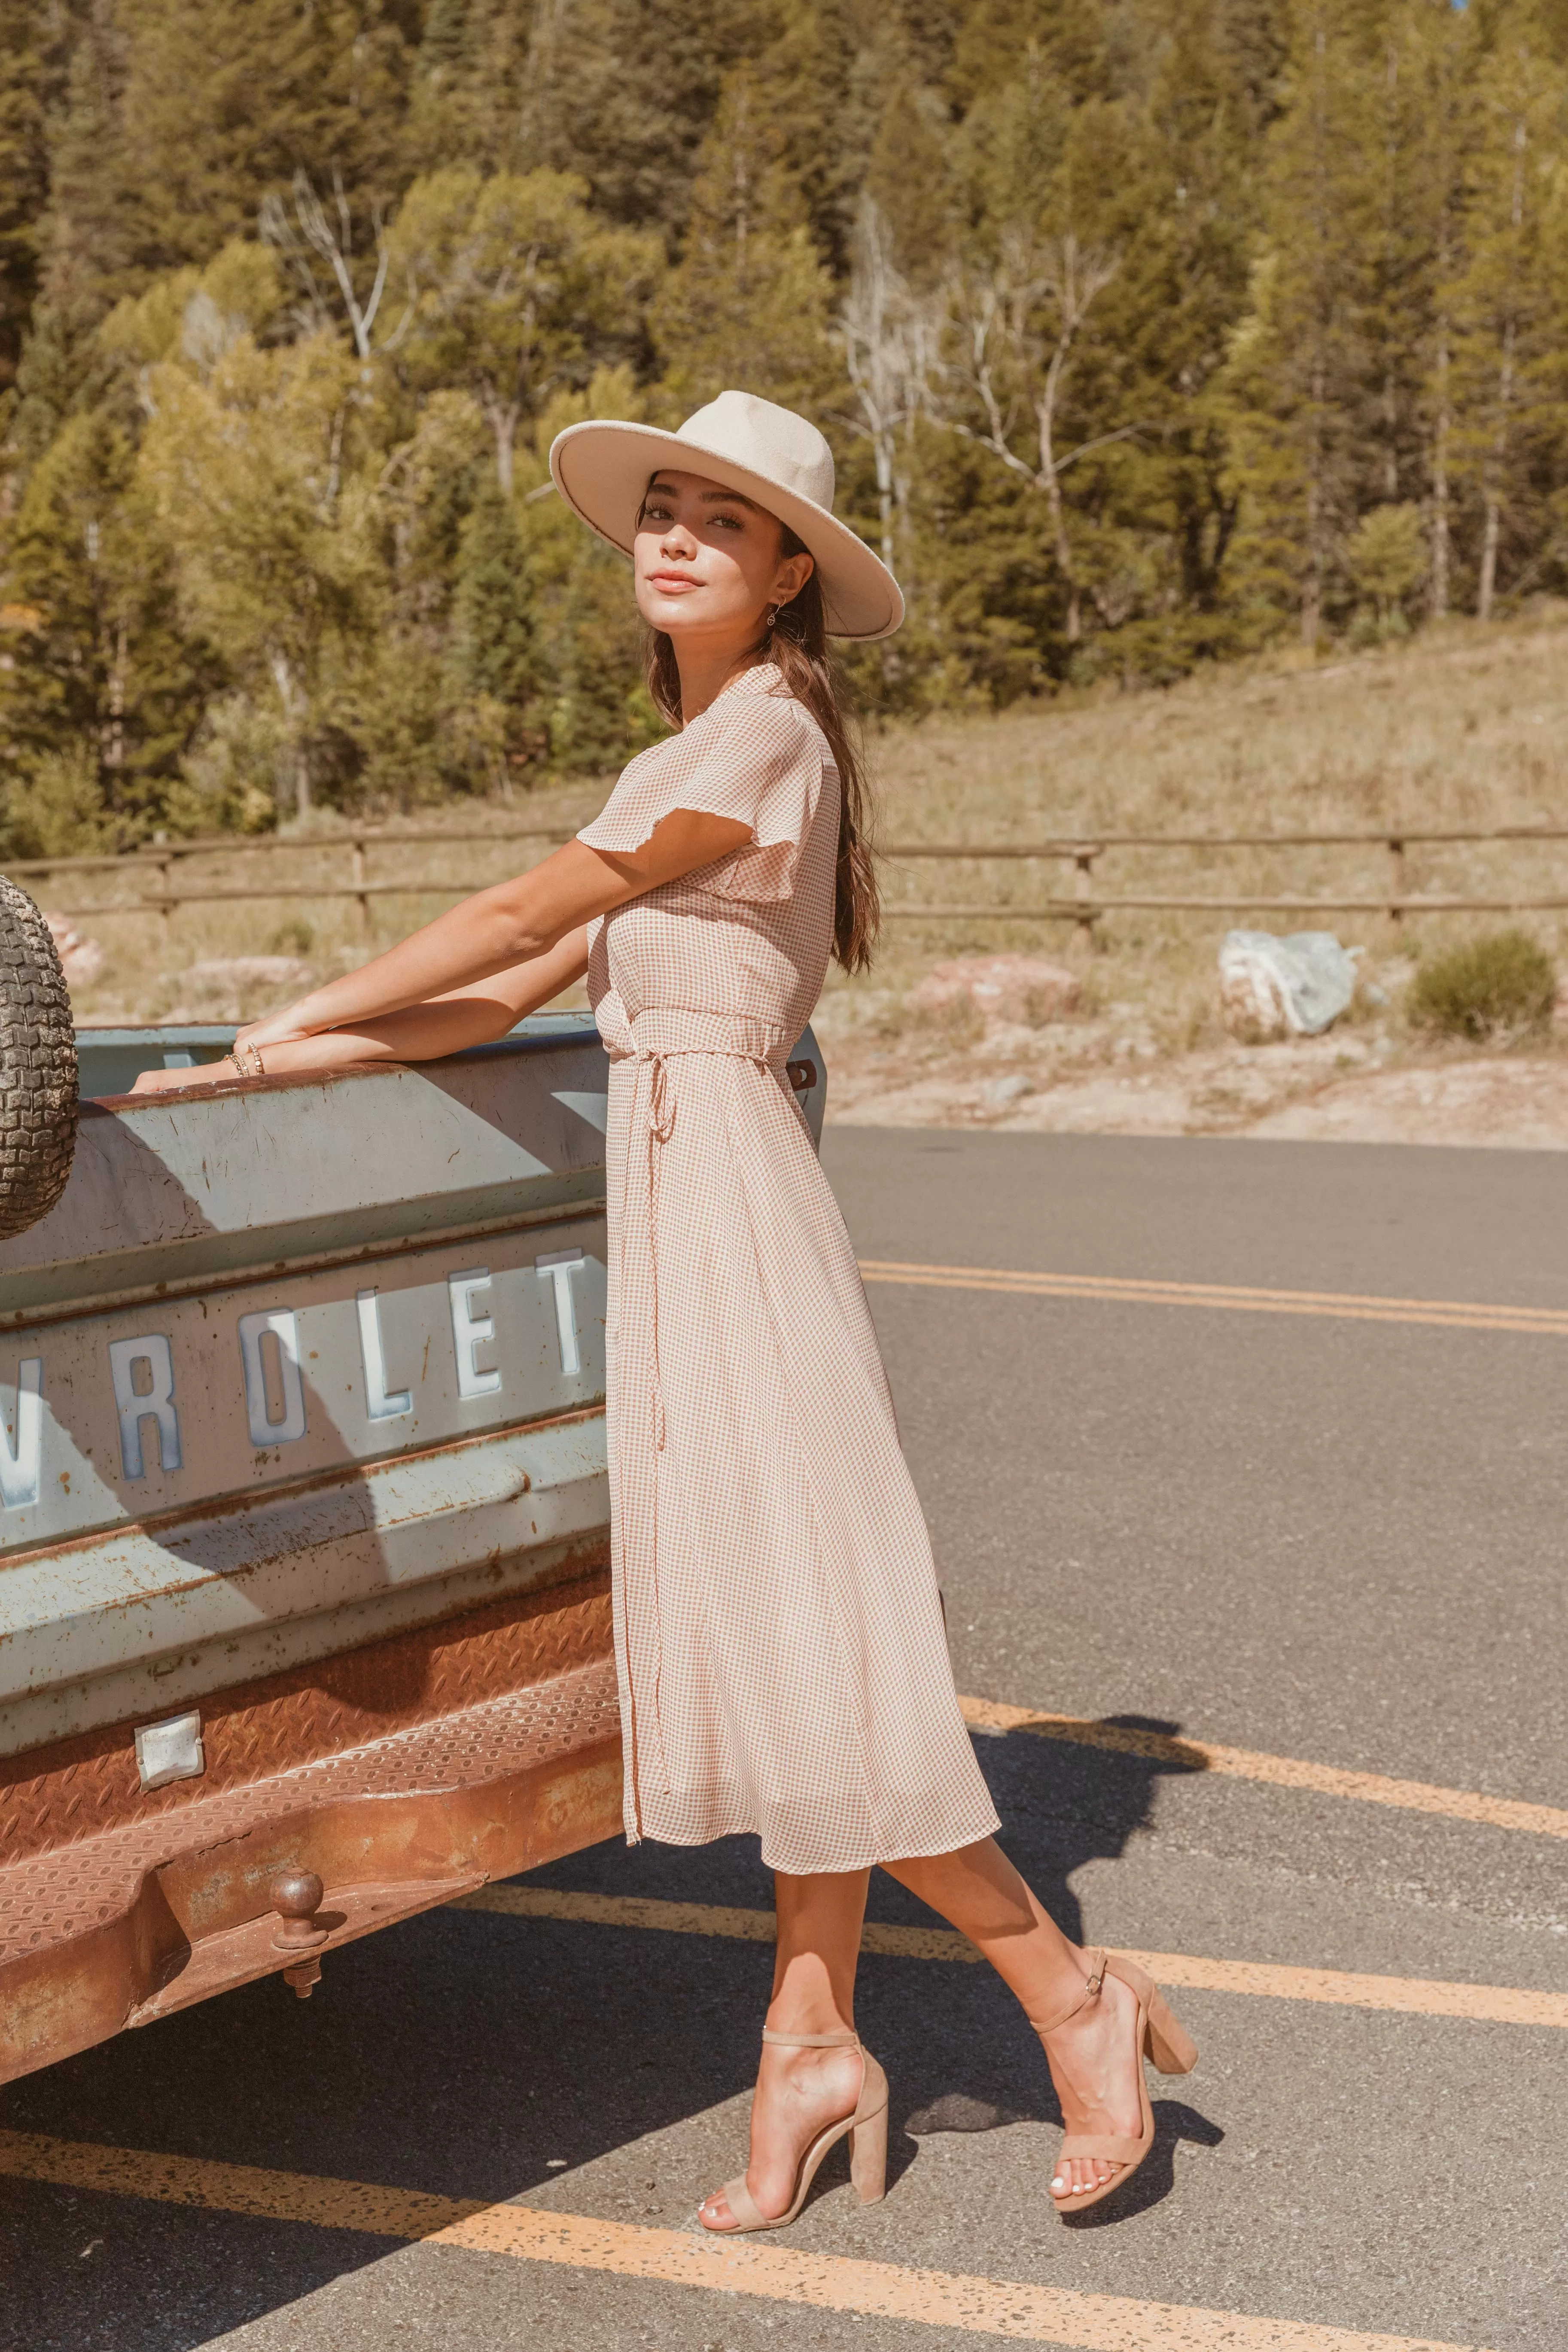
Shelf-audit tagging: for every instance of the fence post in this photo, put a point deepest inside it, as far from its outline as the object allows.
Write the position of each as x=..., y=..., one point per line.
x=359, y=892
x=1395, y=880
x=1083, y=892
x=165, y=867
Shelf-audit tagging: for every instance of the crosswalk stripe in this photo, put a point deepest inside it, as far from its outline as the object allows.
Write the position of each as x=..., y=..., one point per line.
x=1416, y=1996
x=1016, y=2310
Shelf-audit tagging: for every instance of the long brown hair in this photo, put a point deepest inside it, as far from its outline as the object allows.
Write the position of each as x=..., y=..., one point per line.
x=795, y=638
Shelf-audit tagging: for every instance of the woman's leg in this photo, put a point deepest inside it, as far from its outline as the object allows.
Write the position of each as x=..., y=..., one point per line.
x=1092, y=2056
x=799, y=2092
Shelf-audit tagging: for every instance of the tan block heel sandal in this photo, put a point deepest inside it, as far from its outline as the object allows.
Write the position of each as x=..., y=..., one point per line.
x=1162, y=2039
x=866, y=2127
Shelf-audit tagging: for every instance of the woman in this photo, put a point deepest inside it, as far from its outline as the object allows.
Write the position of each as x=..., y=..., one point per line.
x=781, y=1660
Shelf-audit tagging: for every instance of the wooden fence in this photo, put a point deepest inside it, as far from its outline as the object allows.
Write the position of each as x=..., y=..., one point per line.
x=1084, y=907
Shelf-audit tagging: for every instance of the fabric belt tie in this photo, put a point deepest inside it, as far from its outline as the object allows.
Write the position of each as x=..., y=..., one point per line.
x=653, y=1038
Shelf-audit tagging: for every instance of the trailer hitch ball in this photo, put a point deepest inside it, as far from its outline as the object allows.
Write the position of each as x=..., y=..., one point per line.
x=297, y=1898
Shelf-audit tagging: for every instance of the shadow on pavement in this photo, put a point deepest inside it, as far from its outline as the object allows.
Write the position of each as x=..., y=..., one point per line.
x=476, y=2055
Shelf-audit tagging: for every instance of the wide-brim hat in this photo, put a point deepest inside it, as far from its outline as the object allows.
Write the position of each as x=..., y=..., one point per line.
x=603, y=469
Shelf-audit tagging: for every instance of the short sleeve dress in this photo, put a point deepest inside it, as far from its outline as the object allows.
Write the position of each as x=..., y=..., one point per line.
x=779, y=1641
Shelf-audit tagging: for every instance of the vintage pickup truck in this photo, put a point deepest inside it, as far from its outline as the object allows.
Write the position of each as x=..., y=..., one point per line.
x=304, y=1608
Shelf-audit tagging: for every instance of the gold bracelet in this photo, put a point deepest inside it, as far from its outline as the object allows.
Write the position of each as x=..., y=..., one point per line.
x=246, y=1060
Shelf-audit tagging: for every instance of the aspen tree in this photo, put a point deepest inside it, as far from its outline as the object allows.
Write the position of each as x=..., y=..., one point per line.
x=258, y=472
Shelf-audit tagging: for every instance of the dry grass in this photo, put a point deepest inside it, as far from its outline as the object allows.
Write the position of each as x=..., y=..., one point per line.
x=1459, y=726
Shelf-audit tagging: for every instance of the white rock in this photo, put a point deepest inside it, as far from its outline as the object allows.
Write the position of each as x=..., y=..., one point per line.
x=1272, y=988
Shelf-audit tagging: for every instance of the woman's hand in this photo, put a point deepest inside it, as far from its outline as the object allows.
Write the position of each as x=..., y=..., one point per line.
x=200, y=1074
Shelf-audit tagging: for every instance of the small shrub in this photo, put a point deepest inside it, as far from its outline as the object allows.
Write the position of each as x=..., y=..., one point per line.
x=293, y=938
x=1500, y=984
x=1387, y=559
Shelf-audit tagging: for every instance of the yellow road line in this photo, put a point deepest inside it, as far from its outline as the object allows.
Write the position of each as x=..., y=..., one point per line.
x=1018, y=2311
x=1416, y=1996
x=1236, y=1299
x=1282, y=1771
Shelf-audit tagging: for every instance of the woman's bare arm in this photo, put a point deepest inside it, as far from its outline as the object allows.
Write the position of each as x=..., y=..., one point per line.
x=512, y=924
x=419, y=1033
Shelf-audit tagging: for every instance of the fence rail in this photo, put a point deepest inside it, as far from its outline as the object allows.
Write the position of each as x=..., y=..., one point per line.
x=1085, y=908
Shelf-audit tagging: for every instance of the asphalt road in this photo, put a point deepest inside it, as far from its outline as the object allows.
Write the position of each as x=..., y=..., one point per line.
x=1298, y=1533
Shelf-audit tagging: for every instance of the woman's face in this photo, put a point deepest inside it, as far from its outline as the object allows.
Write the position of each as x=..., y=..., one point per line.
x=707, y=560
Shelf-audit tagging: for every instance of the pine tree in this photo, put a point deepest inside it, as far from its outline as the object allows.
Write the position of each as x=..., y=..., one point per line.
x=495, y=661
x=750, y=301
x=1183, y=225
x=624, y=95
x=102, y=673
x=1066, y=39
x=1255, y=36
x=909, y=180
x=1301, y=359
x=182, y=118
x=1507, y=327
x=1031, y=369
x=31, y=63
x=470, y=89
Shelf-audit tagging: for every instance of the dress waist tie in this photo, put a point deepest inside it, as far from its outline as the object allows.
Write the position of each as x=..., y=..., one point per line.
x=651, y=1040
x=654, y=1038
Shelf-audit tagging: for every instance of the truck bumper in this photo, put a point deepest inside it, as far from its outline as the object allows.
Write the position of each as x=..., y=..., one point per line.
x=436, y=1760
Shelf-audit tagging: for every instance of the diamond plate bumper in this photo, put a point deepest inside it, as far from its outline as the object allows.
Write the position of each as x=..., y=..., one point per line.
x=131, y=1920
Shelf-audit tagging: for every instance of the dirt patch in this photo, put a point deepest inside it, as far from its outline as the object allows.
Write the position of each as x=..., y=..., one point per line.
x=1500, y=1100
x=1086, y=1078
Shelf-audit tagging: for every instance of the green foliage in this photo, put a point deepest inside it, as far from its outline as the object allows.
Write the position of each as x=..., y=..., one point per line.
x=54, y=809
x=497, y=673
x=750, y=301
x=1144, y=331
x=1386, y=557
x=1499, y=984
x=515, y=289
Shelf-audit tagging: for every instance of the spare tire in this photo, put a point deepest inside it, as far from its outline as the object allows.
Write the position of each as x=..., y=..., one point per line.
x=37, y=1067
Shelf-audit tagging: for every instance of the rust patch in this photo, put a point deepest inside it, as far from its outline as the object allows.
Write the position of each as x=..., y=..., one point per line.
x=152, y=1914
x=56, y=1797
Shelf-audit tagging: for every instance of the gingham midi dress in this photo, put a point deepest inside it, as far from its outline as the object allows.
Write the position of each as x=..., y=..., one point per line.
x=779, y=1641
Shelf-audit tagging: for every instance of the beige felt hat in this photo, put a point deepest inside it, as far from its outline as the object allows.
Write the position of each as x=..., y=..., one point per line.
x=602, y=470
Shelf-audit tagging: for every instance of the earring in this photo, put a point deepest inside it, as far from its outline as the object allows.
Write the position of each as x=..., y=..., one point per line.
x=770, y=618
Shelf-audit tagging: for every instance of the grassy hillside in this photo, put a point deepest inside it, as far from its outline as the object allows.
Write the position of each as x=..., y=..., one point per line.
x=1460, y=727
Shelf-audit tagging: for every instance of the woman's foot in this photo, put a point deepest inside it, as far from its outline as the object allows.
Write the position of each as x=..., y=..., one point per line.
x=1095, y=2063
x=799, y=2093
